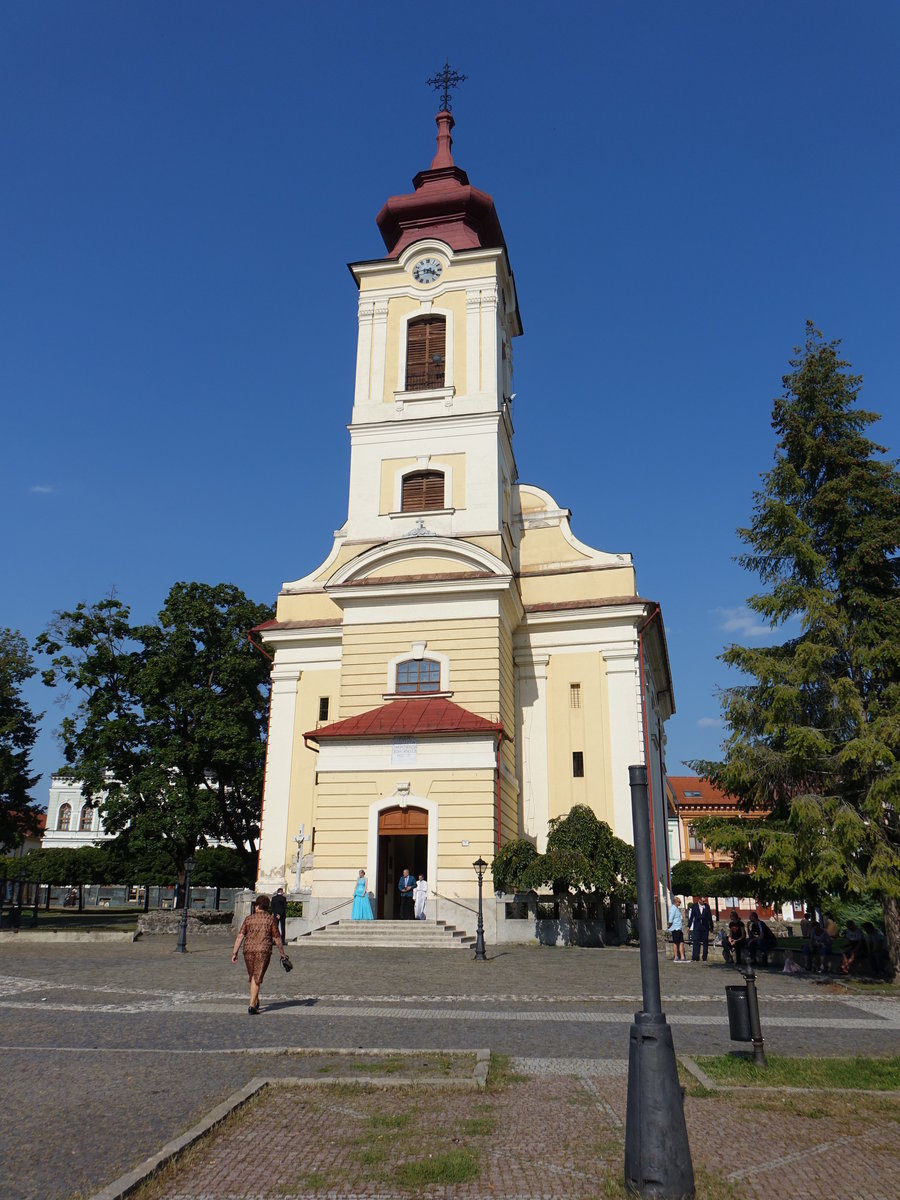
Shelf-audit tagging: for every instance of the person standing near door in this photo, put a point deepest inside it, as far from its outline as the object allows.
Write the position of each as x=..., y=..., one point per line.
x=407, y=888
x=421, y=898
x=700, y=923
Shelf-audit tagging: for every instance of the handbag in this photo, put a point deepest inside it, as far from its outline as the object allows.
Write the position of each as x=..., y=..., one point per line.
x=287, y=964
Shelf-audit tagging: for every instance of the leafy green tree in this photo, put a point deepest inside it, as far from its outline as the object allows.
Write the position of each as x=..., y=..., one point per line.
x=133, y=859
x=585, y=857
x=18, y=730
x=512, y=864
x=220, y=866
x=171, y=717
x=692, y=879
x=814, y=730
x=585, y=864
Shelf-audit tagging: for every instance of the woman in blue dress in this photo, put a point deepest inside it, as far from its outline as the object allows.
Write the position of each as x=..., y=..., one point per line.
x=362, y=909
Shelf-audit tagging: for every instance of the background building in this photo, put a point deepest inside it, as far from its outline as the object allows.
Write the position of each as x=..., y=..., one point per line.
x=72, y=820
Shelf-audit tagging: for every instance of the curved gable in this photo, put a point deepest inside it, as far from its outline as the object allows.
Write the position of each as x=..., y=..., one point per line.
x=417, y=558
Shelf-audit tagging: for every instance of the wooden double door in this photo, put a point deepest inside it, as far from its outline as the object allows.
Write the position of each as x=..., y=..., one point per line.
x=402, y=842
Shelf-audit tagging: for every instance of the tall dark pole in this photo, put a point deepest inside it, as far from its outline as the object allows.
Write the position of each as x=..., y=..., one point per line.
x=759, y=1051
x=480, y=867
x=181, y=945
x=657, y=1154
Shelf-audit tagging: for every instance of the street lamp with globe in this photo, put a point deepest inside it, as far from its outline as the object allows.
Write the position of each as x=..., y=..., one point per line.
x=480, y=867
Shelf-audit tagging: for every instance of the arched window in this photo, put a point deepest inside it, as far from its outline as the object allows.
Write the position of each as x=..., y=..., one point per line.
x=426, y=340
x=64, y=819
x=422, y=489
x=87, y=818
x=418, y=675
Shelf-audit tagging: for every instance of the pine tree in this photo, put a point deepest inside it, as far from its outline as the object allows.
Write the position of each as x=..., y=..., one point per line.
x=19, y=814
x=813, y=751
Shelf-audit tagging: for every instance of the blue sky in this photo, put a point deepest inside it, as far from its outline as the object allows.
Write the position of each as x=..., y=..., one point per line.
x=183, y=184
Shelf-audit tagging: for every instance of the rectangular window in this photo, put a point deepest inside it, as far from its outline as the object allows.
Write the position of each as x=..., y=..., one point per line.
x=578, y=764
x=694, y=843
x=574, y=695
x=324, y=703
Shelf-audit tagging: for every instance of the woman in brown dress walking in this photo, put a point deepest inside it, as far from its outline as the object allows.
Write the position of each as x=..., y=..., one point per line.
x=258, y=933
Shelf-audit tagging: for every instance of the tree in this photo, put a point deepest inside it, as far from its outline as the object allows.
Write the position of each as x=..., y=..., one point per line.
x=692, y=879
x=512, y=864
x=814, y=733
x=220, y=866
x=171, y=718
x=585, y=864
x=18, y=730
x=585, y=857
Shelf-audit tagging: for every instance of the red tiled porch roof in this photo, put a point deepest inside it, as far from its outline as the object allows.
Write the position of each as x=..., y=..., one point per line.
x=397, y=718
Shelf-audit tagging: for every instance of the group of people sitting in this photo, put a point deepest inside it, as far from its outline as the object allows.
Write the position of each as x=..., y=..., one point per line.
x=865, y=948
x=752, y=941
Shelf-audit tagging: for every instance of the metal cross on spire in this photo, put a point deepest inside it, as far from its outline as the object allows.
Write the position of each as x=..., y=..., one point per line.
x=444, y=82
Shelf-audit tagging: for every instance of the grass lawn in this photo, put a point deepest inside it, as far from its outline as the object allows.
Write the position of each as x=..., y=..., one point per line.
x=876, y=1074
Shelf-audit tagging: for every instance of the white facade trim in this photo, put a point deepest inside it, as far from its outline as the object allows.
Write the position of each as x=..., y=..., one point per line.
x=277, y=783
x=533, y=754
x=468, y=557
x=462, y=752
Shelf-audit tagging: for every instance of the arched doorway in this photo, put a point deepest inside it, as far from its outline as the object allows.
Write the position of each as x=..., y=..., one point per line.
x=402, y=842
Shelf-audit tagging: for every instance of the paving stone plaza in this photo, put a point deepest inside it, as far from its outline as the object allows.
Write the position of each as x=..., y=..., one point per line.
x=111, y=1050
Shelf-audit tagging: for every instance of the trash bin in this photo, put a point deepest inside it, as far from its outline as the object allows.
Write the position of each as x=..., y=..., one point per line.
x=738, y=1012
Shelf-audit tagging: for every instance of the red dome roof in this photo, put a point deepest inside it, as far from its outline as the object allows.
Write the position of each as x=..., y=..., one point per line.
x=444, y=205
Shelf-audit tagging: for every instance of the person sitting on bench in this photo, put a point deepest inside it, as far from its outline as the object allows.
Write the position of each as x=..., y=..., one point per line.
x=857, y=950
x=818, y=947
x=760, y=940
x=735, y=939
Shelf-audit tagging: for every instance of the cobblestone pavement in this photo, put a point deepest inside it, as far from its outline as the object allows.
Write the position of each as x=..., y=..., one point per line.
x=119, y=1048
x=294, y=1145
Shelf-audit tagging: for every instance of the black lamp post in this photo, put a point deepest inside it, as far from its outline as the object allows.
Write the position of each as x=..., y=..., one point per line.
x=657, y=1154
x=480, y=867
x=181, y=945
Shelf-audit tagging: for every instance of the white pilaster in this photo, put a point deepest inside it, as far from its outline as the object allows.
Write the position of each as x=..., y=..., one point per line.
x=379, y=347
x=531, y=679
x=364, y=353
x=473, y=342
x=491, y=366
x=279, y=759
x=626, y=728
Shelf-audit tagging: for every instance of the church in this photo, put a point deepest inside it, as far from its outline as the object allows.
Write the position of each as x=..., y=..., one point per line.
x=461, y=668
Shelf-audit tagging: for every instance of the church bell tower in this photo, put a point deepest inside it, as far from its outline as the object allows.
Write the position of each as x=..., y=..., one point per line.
x=431, y=428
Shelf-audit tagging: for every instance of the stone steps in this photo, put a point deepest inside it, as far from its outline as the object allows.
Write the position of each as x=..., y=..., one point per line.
x=408, y=935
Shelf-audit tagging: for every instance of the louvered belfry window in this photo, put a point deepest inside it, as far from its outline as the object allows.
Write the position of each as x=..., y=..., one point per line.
x=426, y=341
x=422, y=489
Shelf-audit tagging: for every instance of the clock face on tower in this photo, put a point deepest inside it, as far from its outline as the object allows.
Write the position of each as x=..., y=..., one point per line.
x=427, y=270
